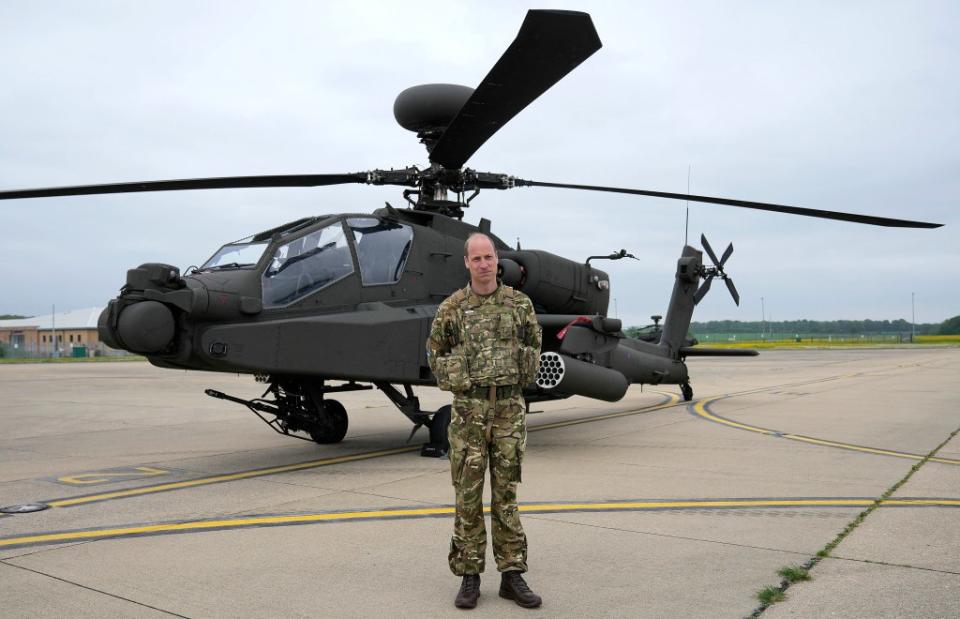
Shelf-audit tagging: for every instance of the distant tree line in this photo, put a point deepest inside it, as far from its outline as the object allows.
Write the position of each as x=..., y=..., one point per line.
x=951, y=326
x=11, y=316
x=826, y=327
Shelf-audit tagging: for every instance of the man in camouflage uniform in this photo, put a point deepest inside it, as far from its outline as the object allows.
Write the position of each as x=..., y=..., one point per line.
x=484, y=346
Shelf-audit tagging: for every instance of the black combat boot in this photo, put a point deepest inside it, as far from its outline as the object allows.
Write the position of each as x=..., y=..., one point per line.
x=469, y=591
x=513, y=587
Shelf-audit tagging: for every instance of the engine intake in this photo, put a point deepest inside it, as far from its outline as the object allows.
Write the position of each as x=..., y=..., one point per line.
x=555, y=284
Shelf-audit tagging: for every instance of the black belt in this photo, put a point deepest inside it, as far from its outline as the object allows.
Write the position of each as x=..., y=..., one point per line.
x=503, y=392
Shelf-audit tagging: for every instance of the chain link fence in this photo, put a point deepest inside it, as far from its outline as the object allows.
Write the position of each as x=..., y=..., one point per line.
x=810, y=338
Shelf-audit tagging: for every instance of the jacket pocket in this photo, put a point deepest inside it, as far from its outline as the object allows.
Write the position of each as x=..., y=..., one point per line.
x=508, y=458
x=458, y=460
x=452, y=373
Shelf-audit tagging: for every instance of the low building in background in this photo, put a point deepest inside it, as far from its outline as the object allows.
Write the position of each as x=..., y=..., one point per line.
x=64, y=334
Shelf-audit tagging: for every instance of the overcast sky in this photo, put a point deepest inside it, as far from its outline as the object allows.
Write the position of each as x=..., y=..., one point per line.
x=847, y=106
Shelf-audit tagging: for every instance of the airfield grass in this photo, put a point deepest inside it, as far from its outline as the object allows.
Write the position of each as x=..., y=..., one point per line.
x=938, y=339
x=851, y=342
x=771, y=595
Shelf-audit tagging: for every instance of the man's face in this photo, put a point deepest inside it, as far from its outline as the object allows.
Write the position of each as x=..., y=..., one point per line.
x=481, y=261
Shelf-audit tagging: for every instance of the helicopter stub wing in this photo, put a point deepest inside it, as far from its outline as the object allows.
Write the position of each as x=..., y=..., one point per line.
x=696, y=351
x=549, y=45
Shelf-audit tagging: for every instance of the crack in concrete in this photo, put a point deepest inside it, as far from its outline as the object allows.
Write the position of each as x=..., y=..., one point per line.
x=904, y=565
x=93, y=589
x=856, y=522
x=44, y=549
x=663, y=535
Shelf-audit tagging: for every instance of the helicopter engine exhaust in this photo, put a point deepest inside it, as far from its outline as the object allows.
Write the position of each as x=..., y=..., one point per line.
x=572, y=376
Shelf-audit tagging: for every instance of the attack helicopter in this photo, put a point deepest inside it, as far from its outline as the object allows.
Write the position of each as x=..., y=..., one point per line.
x=343, y=302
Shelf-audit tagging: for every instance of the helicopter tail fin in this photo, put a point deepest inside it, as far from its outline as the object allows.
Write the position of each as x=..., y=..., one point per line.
x=676, y=321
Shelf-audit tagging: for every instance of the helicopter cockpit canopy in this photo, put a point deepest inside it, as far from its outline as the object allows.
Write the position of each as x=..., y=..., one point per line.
x=243, y=253
x=382, y=248
x=315, y=260
x=306, y=264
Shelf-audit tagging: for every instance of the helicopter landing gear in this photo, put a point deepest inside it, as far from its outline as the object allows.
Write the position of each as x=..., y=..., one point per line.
x=439, y=441
x=687, y=391
x=330, y=424
x=298, y=407
x=437, y=422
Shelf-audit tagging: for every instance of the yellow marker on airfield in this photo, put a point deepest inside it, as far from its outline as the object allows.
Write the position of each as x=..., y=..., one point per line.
x=100, y=478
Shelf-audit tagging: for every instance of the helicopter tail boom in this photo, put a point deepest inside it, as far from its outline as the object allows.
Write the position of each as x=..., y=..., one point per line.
x=676, y=322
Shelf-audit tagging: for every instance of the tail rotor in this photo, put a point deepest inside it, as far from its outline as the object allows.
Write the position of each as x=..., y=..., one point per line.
x=708, y=273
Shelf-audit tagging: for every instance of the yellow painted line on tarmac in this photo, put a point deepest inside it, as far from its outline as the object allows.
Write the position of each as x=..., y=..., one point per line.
x=437, y=511
x=731, y=503
x=923, y=502
x=701, y=409
x=233, y=523
x=671, y=400
x=216, y=479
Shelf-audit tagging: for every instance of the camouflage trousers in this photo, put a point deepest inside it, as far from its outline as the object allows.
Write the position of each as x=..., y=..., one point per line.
x=481, y=434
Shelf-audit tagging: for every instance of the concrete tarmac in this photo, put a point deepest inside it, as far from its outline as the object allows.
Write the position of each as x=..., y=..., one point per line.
x=164, y=502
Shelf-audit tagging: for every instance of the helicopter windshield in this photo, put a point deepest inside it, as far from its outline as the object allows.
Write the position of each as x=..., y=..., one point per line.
x=307, y=264
x=242, y=253
x=382, y=249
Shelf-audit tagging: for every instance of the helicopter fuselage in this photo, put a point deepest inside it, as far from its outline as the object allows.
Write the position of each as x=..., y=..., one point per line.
x=347, y=297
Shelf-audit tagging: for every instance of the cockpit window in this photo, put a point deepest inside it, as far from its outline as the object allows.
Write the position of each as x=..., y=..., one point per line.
x=382, y=248
x=307, y=264
x=239, y=254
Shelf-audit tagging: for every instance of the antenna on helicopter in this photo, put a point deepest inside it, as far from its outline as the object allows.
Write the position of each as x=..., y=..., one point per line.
x=686, y=227
x=617, y=255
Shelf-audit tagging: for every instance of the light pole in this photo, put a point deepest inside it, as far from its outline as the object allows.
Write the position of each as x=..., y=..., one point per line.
x=53, y=328
x=763, y=319
x=913, y=319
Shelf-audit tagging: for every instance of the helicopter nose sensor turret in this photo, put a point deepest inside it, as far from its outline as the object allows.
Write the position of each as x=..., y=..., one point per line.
x=140, y=324
x=146, y=327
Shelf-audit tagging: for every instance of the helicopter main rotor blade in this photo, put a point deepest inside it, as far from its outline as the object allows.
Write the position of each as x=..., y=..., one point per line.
x=549, y=45
x=733, y=290
x=763, y=206
x=224, y=182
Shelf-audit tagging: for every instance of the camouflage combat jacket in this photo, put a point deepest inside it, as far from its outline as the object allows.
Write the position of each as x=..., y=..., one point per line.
x=484, y=340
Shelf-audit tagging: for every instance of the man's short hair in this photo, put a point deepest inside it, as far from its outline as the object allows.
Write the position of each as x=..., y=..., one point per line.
x=466, y=244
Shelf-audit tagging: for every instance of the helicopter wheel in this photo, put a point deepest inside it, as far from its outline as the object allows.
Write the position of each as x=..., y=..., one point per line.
x=331, y=423
x=687, y=391
x=438, y=428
